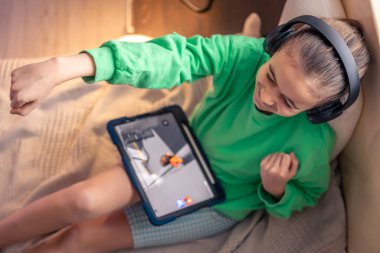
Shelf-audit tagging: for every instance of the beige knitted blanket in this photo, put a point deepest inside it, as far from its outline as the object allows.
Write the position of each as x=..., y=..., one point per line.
x=64, y=140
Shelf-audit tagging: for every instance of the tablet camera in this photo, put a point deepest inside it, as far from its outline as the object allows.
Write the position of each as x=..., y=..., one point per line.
x=165, y=122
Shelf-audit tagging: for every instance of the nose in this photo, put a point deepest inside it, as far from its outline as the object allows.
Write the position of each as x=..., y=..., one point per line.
x=267, y=97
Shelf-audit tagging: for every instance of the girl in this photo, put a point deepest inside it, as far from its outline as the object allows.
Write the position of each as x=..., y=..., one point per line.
x=252, y=125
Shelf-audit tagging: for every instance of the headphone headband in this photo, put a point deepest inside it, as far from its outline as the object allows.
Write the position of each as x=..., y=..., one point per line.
x=336, y=41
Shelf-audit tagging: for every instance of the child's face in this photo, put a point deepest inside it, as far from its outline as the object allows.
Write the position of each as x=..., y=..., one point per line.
x=282, y=88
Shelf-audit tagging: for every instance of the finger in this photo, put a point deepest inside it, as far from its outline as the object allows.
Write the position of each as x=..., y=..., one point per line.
x=20, y=100
x=285, y=163
x=269, y=165
x=272, y=159
x=29, y=107
x=285, y=166
x=277, y=161
x=274, y=163
x=15, y=111
x=294, y=166
x=264, y=161
x=25, y=110
x=17, y=102
x=267, y=161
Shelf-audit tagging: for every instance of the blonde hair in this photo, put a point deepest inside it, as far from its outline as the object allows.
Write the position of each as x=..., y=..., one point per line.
x=318, y=59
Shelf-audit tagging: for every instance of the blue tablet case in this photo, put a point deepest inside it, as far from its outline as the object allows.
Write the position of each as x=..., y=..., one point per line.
x=181, y=119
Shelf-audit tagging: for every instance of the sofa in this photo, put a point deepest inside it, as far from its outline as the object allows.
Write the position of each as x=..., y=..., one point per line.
x=64, y=141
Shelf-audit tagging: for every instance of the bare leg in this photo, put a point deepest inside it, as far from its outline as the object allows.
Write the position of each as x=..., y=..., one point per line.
x=103, y=234
x=102, y=194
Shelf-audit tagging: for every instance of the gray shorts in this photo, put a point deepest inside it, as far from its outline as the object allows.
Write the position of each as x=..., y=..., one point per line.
x=197, y=225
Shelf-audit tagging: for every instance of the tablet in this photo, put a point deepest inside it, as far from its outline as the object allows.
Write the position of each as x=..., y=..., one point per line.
x=165, y=163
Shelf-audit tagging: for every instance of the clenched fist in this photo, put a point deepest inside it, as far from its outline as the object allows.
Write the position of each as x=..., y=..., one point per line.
x=276, y=170
x=30, y=84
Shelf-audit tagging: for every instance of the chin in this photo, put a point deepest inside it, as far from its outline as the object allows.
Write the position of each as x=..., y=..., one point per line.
x=262, y=111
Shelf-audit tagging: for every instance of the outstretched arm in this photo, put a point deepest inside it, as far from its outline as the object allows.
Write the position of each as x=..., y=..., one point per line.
x=30, y=84
x=161, y=63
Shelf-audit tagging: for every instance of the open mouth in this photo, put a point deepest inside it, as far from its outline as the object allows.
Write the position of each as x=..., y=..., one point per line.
x=258, y=104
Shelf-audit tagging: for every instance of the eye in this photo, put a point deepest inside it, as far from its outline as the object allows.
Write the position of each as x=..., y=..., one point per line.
x=269, y=78
x=287, y=103
x=285, y=100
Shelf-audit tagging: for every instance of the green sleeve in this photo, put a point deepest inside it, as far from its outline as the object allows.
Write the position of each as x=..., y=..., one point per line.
x=302, y=191
x=162, y=62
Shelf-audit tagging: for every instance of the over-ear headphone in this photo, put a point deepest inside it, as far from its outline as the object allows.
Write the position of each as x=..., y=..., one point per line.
x=332, y=109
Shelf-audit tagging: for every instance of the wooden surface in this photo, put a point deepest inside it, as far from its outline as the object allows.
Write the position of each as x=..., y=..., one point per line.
x=36, y=28
x=157, y=17
x=33, y=28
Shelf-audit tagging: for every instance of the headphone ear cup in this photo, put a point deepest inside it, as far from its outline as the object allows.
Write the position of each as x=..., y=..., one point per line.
x=325, y=113
x=276, y=38
x=270, y=40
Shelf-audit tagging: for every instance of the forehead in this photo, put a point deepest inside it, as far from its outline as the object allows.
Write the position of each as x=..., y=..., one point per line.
x=291, y=80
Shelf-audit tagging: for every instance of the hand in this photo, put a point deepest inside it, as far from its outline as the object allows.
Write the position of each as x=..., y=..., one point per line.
x=30, y=84
x=276, y=170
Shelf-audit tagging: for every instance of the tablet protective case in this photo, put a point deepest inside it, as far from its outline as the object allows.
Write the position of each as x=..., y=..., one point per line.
x=181, y=119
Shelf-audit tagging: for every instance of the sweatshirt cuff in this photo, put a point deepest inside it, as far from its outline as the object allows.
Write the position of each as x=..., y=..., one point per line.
x=273, y=205
x=104, y=62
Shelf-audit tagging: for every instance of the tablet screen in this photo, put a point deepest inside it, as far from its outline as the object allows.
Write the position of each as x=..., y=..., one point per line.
x=164, y=163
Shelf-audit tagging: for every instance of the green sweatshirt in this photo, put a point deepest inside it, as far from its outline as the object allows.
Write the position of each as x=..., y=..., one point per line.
x=234, y=135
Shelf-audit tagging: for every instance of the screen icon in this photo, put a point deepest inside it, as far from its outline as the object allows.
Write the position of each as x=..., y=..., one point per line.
x=188, y=200
x=181, y=203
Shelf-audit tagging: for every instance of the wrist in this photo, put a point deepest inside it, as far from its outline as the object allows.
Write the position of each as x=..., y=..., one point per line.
x=277, y=195
x=73, y=66
x=277, y=192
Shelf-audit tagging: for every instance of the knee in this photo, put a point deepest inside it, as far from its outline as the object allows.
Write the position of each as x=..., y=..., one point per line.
x=85, y=205
x=74, y=204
